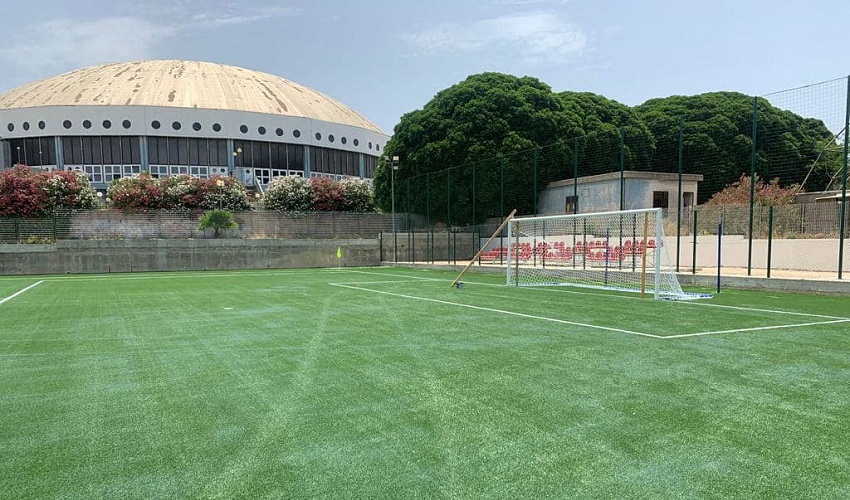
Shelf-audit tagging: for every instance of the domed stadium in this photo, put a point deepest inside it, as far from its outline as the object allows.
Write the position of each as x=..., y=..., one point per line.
x=183, y=117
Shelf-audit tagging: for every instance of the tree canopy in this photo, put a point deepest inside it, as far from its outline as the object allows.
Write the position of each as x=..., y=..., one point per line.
x=494, y=131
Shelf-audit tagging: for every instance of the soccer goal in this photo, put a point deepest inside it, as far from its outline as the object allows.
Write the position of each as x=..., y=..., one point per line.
x=623, y=250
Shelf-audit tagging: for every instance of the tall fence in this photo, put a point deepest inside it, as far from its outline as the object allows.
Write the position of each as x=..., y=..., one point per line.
x=794, y=139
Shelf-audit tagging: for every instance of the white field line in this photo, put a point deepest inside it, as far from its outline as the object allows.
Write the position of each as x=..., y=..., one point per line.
x=500, y=311
x=10, y=297
x=755, y=329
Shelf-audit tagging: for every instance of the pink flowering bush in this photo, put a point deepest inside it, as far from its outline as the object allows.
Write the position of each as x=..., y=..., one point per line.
x=179, y=192
x=321, y=194
x=767, y=194
x=28, y=193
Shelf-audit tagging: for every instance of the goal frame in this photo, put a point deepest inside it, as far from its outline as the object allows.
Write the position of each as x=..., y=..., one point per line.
x=654, y=267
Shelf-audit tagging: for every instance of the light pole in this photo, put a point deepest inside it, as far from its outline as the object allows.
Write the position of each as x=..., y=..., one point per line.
x=235, y=155
x=220, y=184
x=19, y=154
x=393, y=168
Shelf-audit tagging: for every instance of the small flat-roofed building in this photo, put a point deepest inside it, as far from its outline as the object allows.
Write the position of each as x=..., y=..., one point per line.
x=603, y=193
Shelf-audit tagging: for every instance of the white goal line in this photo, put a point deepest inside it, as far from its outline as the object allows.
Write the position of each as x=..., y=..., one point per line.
x=10, y=297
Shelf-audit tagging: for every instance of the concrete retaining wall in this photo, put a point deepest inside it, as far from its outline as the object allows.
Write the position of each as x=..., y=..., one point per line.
x=118, y=256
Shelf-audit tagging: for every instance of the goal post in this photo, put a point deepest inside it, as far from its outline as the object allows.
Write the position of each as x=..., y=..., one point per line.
x=621, y=250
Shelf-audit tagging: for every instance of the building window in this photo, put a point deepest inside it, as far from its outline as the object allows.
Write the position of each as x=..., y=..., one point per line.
x=86, y=123
x=243, y=129
x=66, y=124
x=344, y=140
x=26, y=125
x=126, y=124
x=196, y=126
x=571, y=205
x=296, y=133
x=356, y=142
x=107, y=124
x=41, y=125
x=155, y=124
x=176, y=125
x=331, y=138
x=262, y=130
x=318, y=136
x=660, y=199
x=216, y=127
x=279, y=132
x=11, y=127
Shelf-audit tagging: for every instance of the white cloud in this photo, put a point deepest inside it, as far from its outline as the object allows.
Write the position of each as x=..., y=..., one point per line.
x=217, y=19
x=540, y=37
x=64, y=44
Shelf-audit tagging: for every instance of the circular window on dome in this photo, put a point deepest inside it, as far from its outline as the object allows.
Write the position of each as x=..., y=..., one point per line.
x=66, y=124
x=126, y=124
x=243, y=129
x=41, y=125
x=318, y=136
x=262, y=130
x=176, y=125
x=370, y=145
x=155, y=124
x=344, y=140
x=10, y=127
x=217, y=127
x=107, y=124
x=86, y=123
x=331, y=138
x=356, y=142
x=26, y=125
x=377, y=147
x=296, y=133
x=196, y=126
x=279, y=132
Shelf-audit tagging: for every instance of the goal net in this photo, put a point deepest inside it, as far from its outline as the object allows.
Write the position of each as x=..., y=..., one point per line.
x=621, y=250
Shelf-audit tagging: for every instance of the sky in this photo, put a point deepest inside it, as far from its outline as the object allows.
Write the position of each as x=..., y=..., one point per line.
x=386, y=58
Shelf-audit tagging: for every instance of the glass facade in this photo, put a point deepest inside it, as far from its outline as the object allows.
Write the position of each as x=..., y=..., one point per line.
x=33, y=151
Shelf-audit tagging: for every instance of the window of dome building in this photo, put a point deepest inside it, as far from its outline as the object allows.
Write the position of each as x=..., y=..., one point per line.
x=356, y=142
x=107, y=124
x=262, y=130
x=243, y=129
x=155, y=124
x=217, y=127
x=318, y=136
x=41, y=125
x=331, y=138
x=176, y=125
x=196, y=126
x=10, y=127
x=344, y=140
x=296, y=133
x=126, y=124
x=279, y=132
x=66, y=123
x=86, y=123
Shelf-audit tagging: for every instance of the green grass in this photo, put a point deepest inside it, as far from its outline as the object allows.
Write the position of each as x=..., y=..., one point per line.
x=281, y=384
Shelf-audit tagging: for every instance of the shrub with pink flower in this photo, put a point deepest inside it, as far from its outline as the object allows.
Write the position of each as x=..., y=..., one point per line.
x=28, y=193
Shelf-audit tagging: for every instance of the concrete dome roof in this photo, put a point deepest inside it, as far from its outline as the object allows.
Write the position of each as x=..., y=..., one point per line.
x=183, y=84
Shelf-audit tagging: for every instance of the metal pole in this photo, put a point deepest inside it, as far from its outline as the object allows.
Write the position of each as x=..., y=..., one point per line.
x=694, y=257
x=719, y=249
x=393, y=166
x=575, y=176
x=681, y=202
x=769, y=237
x=752, y=188
x=622, y=169
x=842, y=223
x=534, y=168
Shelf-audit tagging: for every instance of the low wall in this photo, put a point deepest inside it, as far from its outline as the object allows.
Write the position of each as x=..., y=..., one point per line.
x=118, y=256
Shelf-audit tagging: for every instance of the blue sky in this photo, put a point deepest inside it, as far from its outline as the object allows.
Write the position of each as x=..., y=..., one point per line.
x=386, y=58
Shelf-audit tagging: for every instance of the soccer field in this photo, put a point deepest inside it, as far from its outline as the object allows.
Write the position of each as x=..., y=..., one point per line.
x=389, y=383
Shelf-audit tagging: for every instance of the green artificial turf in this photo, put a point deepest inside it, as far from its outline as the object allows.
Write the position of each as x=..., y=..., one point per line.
x=283, y=384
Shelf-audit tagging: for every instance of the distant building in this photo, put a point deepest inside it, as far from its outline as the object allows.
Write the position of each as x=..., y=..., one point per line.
x=182, y=117
x=601, y=193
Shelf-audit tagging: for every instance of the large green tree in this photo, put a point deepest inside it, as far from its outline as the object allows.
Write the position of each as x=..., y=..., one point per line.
x=472, y=124
x=717, y=132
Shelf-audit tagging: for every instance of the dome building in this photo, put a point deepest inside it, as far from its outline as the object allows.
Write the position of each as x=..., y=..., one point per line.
x=183, y=117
